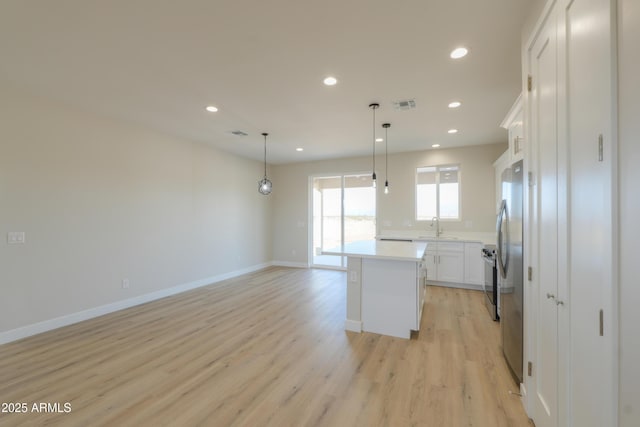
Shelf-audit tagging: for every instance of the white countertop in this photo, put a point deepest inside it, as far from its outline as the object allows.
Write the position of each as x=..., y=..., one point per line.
x=375, y=249
x=413, y=235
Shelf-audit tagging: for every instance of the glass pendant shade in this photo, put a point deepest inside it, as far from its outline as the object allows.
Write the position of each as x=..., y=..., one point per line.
x=264, y=185
x=386, y=187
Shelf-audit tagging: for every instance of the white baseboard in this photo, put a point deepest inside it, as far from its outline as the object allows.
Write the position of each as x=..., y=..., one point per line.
x=289, y=264
x=353, y=325
x=330, y=267
x=524, y=399
x=58, y=322
x=455, y=285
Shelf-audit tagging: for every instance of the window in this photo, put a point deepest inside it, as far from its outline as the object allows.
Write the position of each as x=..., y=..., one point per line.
x=438, y=192
x=344, y=211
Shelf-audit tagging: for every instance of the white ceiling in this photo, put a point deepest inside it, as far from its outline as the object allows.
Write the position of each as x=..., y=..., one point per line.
x=160, y=62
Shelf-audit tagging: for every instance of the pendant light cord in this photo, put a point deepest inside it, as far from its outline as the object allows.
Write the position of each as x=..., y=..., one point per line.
x=374, y=139
x=265, y=154
x=373, y=106
x=386, y=127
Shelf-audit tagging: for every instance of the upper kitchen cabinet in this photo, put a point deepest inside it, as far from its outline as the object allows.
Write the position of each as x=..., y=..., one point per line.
x=503, y=162
x=513, y=124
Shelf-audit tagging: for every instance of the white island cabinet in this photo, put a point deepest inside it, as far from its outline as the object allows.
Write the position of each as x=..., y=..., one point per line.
x=385, y=286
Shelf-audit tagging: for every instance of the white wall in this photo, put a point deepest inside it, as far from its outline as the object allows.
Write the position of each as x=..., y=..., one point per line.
x=629, y=182
x=535, y=11
x=396, y=210
x=102, y=200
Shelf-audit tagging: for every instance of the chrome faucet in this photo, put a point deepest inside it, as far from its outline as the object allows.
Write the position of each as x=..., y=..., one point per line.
x=438, y=229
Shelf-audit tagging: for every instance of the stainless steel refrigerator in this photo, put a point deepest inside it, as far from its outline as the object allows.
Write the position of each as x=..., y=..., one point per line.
x=509, y=228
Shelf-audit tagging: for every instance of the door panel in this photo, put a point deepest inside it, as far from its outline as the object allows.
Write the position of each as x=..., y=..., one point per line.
x=544, y=122
x=589, y=115
x=451, y=267
x=431, y=264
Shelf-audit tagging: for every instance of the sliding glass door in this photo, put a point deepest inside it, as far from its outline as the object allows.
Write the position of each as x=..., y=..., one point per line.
x=344, y=211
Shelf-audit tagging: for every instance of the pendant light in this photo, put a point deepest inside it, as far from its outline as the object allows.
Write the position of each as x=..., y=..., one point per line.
x=264, y=185
x=386, y=127
x=374, y=106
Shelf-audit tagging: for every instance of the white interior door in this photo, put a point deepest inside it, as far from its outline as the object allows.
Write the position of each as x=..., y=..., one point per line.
x=589, y=108
x=543, y=64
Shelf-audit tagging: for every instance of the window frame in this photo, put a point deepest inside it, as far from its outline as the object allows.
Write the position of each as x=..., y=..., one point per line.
x=439, y=168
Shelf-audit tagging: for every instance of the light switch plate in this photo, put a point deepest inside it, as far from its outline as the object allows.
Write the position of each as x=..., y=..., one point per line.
x=16, y=237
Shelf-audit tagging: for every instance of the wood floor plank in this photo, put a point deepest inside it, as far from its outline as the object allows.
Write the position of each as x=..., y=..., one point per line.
x=265, y=349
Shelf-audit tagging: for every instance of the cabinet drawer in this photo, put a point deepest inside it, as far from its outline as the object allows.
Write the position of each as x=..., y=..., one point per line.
x=450, y=247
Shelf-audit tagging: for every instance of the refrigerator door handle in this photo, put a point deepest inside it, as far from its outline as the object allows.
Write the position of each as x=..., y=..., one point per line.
x=503, y=259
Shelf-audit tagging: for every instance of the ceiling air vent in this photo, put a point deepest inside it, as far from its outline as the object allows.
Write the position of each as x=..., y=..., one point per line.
x=408, y=104
x=239, y=133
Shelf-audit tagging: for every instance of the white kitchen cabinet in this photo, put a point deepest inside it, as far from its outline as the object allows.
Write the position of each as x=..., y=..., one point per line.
x=513, y=123
x=451, y=262
x=421, y=288
x=473, y=264
x=431, y=262
x=445, y=261
x=503, y=162
x=385, y=286
x=392, y=310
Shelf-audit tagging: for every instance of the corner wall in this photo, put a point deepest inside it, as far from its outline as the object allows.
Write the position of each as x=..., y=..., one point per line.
x=629, y=209
x=102, y=200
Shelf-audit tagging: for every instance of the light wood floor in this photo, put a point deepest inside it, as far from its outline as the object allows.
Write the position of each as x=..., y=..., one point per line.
x=268, y=348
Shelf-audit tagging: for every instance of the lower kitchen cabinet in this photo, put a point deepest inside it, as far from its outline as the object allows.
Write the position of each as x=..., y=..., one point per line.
x=473, y=264
x=392, y=296
x=455, y=262
x=431, y=263
x=451, y=266
x=445, y=261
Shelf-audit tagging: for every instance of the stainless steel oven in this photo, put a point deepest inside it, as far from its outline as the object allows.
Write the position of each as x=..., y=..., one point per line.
x=490, y=284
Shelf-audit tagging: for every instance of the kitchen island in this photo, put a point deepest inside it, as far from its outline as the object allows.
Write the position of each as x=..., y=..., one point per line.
x=386, y=281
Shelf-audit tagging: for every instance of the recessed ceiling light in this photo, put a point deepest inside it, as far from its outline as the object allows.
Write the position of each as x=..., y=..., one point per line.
x=452, y=131
x=459, y=53
x=330, y=81
x=299, y=149
x=455, y=104
x=379, y=139
x=211, y=109
x=435, y=145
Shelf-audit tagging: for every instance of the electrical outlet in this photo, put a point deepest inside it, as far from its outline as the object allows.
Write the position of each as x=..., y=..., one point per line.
x=16, y=237
x=353, y=276
x=125, y=283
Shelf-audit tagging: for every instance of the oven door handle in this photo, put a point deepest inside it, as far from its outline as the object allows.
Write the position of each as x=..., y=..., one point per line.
x=490, y=261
